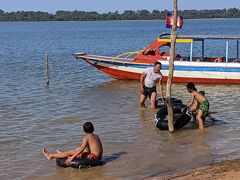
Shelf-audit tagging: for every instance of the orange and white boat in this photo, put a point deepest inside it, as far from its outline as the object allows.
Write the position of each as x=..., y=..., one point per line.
x=201, y=69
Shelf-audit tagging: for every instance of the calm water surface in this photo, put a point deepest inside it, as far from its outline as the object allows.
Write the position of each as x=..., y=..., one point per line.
x=33, y=116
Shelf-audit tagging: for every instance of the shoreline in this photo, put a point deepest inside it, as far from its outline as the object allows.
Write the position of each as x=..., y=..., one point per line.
x=228, y=169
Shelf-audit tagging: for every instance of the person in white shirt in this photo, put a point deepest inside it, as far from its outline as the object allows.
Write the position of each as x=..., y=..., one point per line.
x=148, y=80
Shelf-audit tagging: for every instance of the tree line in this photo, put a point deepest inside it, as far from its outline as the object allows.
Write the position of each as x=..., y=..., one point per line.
x=126, y=15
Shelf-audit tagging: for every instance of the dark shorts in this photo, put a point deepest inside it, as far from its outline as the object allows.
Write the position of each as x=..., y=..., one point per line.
x=148, y=91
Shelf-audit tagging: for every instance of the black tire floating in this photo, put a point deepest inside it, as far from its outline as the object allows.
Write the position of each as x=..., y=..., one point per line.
x=161, y=103
x=179, y=122
x=80, y=163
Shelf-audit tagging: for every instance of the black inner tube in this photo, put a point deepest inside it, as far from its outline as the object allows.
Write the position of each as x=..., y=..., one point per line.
x=80, y=163
x=180, y=117
x=161, y=103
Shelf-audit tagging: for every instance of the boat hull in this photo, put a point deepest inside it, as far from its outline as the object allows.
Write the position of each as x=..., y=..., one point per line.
x=200, y=72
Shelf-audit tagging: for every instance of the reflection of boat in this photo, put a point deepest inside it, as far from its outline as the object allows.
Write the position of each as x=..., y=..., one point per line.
x=196, y=69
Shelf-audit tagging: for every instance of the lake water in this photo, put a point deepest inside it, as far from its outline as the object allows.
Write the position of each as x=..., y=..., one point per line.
x=33, y=115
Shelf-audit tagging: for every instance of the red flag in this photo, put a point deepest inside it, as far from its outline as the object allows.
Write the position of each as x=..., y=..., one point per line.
x=180, y=22
x=169, y=21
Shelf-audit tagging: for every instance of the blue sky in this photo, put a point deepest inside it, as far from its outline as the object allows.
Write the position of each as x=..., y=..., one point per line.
x=112, y=5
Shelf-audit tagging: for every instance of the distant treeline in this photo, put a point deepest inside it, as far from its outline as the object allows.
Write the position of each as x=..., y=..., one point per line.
x=126, y=15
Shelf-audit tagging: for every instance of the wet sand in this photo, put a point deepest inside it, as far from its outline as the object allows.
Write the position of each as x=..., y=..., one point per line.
x=224, y=170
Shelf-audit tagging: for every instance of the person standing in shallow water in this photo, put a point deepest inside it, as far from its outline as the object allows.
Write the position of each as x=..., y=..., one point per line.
x=148, y=81
x=91, y=147
x=198, y=98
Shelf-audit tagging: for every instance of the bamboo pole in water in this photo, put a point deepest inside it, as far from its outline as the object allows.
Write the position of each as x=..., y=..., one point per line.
x=46, y=69
x=171, y=68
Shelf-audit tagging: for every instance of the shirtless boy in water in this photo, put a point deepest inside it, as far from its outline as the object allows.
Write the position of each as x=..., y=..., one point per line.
x=91, y=147
x=201, y=100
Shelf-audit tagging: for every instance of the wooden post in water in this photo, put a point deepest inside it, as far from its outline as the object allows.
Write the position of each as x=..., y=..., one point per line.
x=46, y=69
x=171, y=68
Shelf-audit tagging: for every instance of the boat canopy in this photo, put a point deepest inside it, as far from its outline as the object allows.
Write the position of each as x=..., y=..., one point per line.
x=192, y=38
x=203, y=37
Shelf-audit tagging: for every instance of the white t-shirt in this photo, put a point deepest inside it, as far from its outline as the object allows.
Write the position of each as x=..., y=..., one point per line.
x=151, y=78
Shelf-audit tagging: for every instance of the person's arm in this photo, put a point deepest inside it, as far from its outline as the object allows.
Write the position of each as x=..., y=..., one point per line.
x=192, y=100
x=161, y=88
x=81, y=149
x=142, y=78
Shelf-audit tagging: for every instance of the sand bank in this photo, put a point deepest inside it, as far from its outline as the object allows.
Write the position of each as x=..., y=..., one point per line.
x=224, y=170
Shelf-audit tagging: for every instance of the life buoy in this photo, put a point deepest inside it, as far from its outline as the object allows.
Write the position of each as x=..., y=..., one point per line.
x=180, y=120
x=161, y=103
x=80, y=163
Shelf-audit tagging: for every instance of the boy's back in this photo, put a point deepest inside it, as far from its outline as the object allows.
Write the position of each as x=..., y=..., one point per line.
x=94, y=144
x=199, y=97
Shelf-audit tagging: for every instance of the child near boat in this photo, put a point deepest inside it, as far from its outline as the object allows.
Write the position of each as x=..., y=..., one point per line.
x=198, y=99
x=91, y=147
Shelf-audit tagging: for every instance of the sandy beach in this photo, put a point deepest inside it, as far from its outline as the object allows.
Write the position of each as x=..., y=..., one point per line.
x=224, y=170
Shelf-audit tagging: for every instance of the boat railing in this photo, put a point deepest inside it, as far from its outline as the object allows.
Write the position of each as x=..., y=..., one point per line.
x=127, y=54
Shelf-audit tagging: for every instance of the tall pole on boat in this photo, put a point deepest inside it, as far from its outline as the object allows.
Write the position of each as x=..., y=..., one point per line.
x=171, y=67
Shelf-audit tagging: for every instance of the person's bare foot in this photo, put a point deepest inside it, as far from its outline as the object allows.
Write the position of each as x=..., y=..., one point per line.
x=46, y=154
